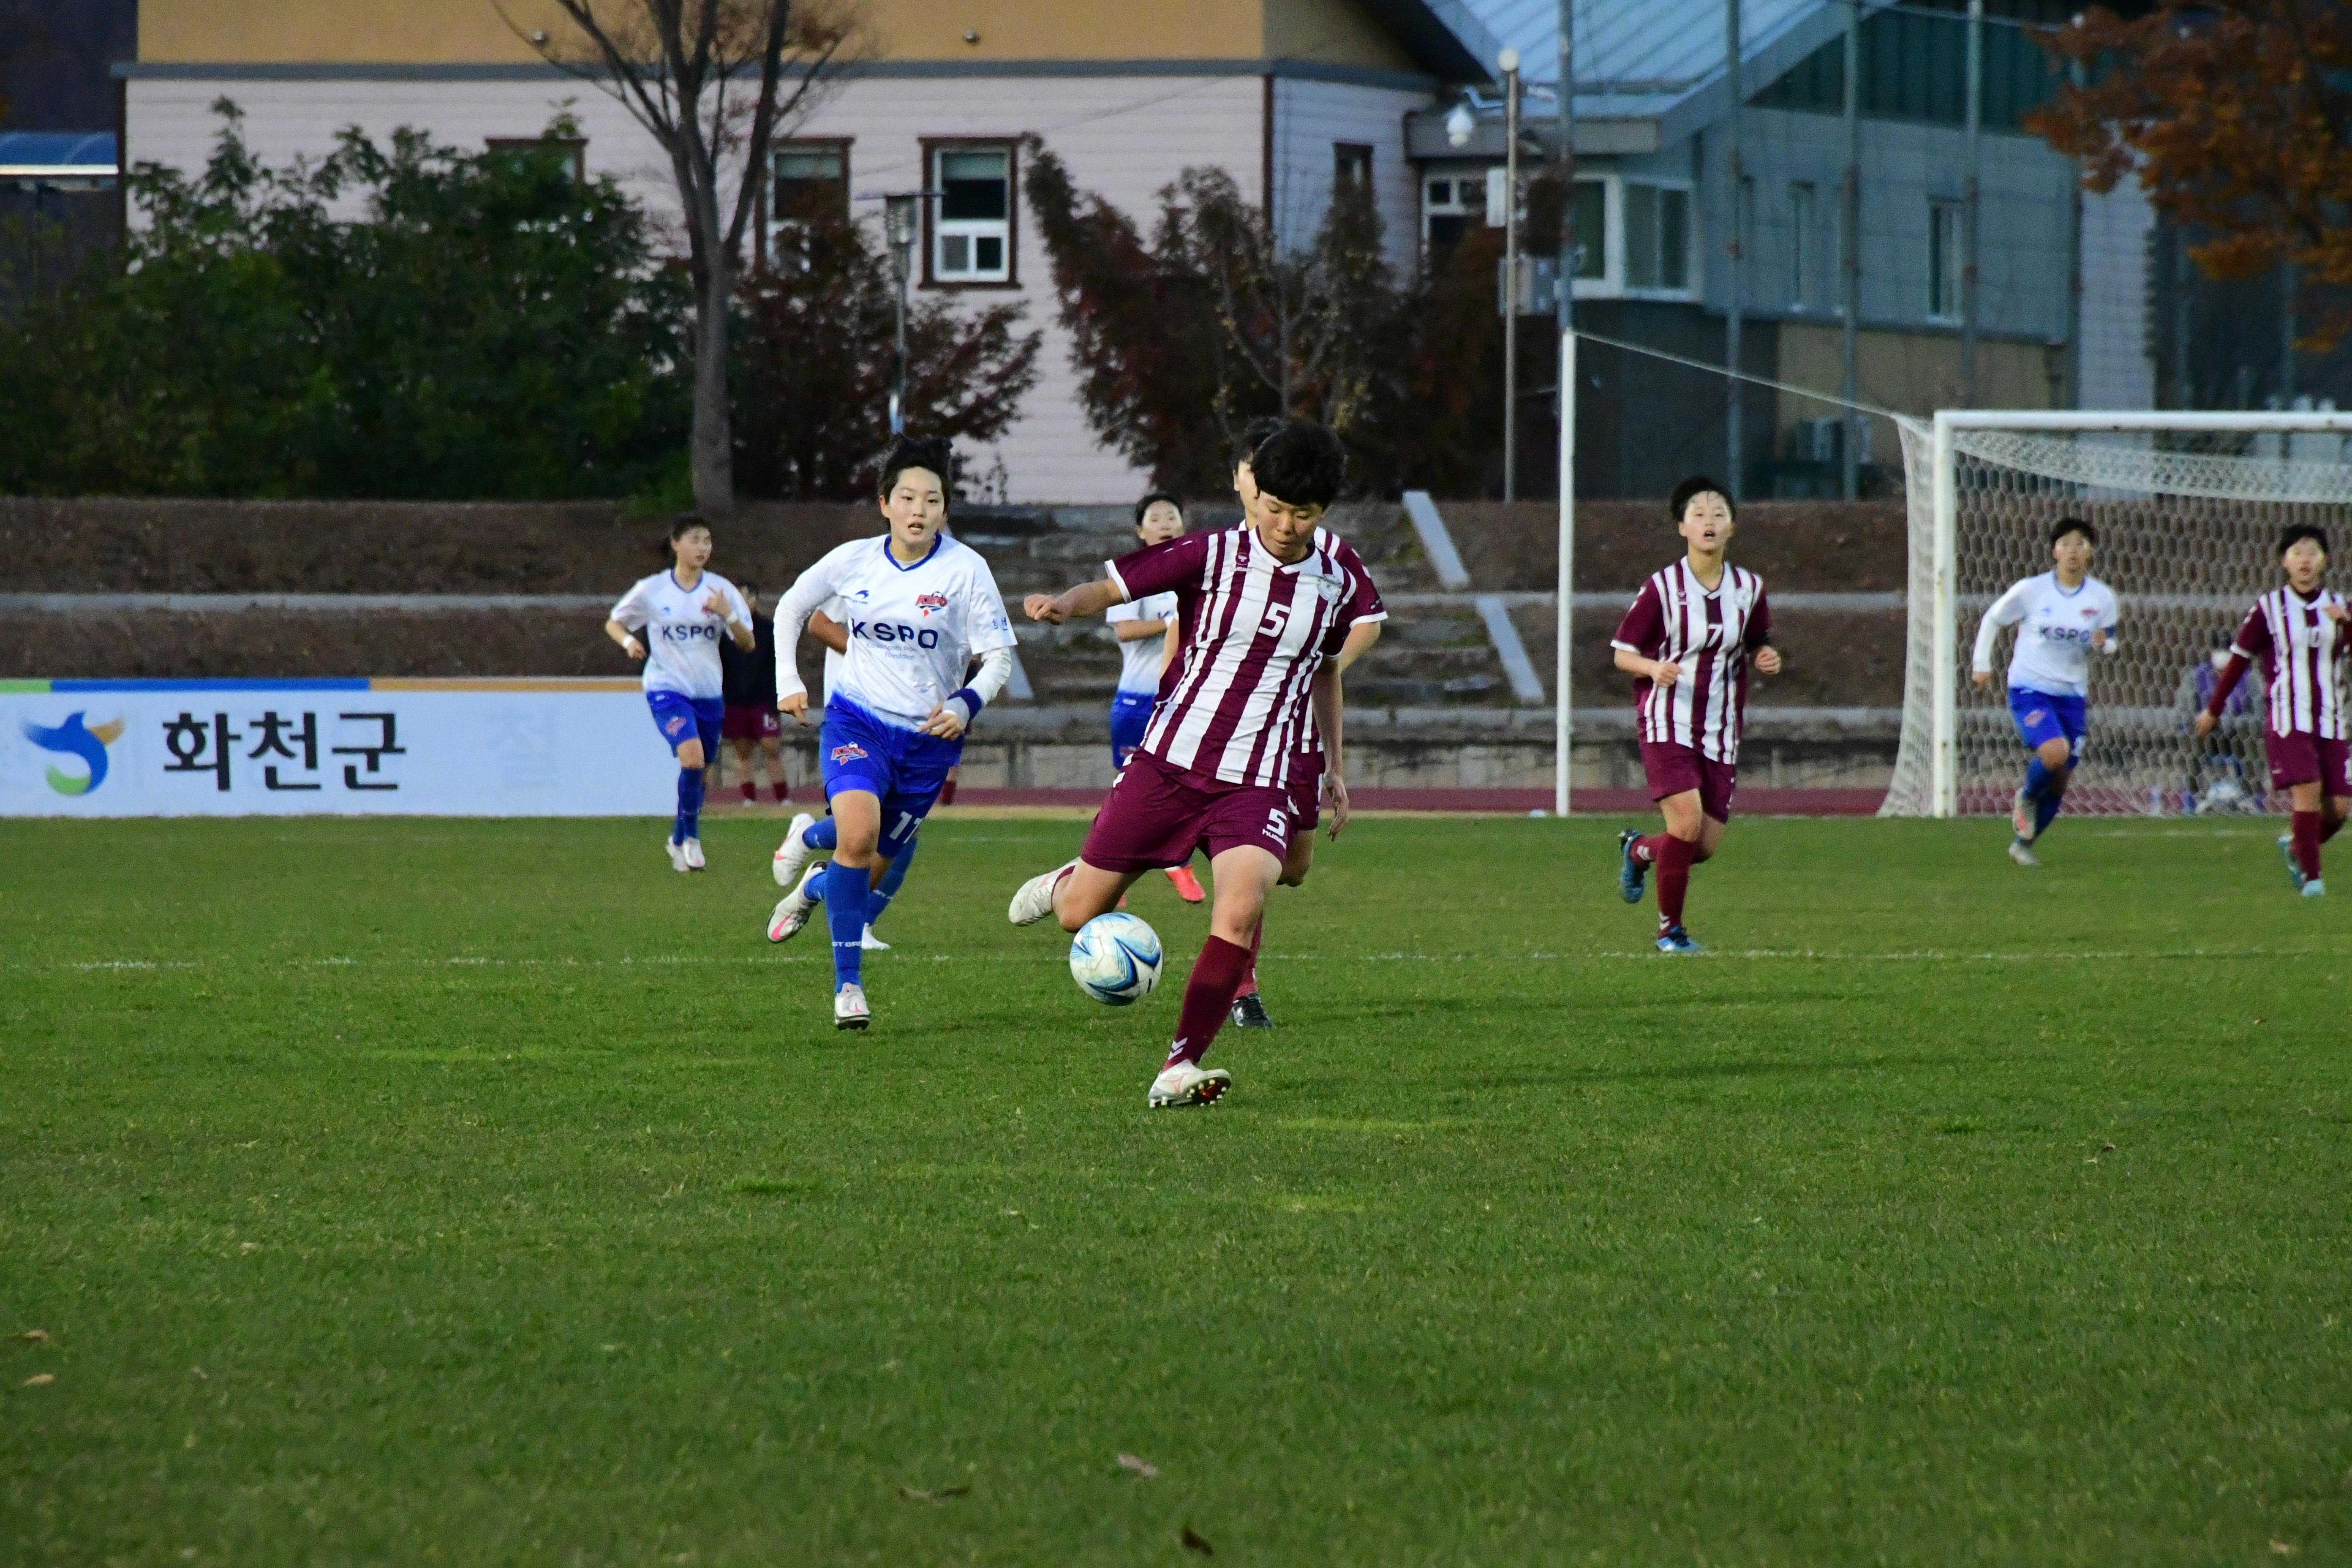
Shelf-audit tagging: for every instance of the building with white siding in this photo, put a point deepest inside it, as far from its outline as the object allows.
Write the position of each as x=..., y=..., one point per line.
x=1286, y=95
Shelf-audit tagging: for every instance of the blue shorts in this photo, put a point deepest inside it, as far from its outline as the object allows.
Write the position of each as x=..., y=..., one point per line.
x=905, y=769
x=681, y=718
x=2042, y=717
x=1131, y=716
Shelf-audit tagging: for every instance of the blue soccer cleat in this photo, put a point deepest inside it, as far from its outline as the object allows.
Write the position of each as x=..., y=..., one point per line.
x=1630, y=871
x=2315, y=889
x=2294, y=866
x=1674, y=939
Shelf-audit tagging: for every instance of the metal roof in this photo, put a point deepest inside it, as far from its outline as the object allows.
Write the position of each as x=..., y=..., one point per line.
x=1657, y=58
x=57, y=154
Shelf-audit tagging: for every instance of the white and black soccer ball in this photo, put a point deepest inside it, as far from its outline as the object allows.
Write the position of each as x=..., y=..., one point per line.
x=1114, y=959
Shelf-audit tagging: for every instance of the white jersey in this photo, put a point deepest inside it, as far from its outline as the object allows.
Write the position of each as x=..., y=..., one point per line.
x=837, y=613
x=2053, y=633
x=913, y=630
x=1140, y=672
x=681, y=637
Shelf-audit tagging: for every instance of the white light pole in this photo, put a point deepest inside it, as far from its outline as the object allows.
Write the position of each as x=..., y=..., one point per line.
x=1509, y=62
x=900, y=220
x=1736, y=306
x=1564, y=303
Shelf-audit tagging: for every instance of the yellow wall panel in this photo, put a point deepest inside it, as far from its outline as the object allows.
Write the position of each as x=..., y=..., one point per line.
x=1331, y=32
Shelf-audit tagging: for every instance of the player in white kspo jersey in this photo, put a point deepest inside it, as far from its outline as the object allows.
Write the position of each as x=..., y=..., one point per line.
x=919, y=607
x=683, y=613
x=2061, y=616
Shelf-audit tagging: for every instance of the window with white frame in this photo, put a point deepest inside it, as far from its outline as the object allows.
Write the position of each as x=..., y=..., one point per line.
x=1804, y=248
x=1944, y=261
x=971, y=217
x=1351, y=164
x=1657, y=237
x=1451, y=206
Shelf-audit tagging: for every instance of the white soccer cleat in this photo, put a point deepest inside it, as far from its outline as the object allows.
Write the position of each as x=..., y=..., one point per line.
x=2022, y=853
x=1034, y=901
x=2315, y=889
x=849, y=1008
x=793, y=909
x=793, y=853
x=677, y=861
x=693, y=847
x=2020, y=816
x=1187, y=1084
x=872, y=943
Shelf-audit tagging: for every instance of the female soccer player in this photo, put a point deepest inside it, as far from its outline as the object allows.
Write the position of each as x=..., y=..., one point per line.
x=684, y=609
x=750, y=726
x=2060, y=617
x=809, y=832
x=1307, y=768
x=920, y=605
x=1264, y=608
x=1146, y=630
x=2298, y=633
x=1688, y=640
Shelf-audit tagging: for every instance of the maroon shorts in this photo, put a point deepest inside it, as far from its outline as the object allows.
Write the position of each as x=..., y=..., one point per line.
x=2305, y=758
x=1673, y=769
x=1307, y=790
x=1157, y=815
x=749, y=721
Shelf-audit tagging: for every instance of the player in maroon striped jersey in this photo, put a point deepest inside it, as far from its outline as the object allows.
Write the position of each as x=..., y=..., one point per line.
x=2299, y=634
x=1688, y=640
x=1263, y=607
x=1306, y=769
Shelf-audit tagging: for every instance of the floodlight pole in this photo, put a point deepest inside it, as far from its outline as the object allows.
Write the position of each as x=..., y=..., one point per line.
x=1736, y=254
x=1564, y=303
x=1971, y=214
x=900, y=219
x=1850, y=234
x=1509, y=62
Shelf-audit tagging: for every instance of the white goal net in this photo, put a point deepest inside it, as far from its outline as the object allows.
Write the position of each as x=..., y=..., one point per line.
x=2187, y=508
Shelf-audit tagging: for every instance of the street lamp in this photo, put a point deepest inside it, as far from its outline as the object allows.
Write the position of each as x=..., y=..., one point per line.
x=902, y=220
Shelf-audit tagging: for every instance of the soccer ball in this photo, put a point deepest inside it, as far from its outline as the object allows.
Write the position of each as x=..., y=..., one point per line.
x=1114, y=959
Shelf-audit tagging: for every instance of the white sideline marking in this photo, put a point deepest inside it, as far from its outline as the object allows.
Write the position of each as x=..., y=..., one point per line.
x=1753, y=954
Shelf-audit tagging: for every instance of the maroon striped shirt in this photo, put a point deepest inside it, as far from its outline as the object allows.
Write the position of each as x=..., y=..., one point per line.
x=1710, y=635
x=2299, y=645
x=1234, y=705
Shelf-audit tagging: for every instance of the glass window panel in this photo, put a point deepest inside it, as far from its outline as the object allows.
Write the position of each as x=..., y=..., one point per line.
x=1591, y=228
x=1642, y=236
x=974, y=186
x=955, y=253
x=1673, y=239
x=988, y=254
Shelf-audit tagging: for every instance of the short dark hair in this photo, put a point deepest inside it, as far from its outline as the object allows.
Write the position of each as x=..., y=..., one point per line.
x=931, y=452
x=2066, y=525
x=1254, y=434
x=1151, y=499
x=2294, y=533
x=1698, y=485
x=684, y=521
x=1300, y=464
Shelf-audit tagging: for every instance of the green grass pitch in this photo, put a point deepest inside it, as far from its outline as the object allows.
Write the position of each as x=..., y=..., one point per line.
x=434, y=1191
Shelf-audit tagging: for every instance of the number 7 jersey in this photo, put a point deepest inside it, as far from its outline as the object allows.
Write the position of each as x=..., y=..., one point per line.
x=1234, y=705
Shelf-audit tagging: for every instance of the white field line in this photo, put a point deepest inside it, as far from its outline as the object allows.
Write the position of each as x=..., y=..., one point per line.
x=1753, y=954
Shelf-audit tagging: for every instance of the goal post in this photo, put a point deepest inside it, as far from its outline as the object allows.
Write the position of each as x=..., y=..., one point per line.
x=2186, y=506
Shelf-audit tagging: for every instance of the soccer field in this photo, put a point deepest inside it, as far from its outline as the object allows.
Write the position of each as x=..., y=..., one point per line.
x=456, y=1191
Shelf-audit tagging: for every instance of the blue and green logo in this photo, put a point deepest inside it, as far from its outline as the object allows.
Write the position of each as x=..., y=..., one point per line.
x=75, y=741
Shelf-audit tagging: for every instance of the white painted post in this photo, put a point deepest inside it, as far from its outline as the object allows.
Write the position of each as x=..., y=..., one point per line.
x=1944, y=777
x=1563, y=722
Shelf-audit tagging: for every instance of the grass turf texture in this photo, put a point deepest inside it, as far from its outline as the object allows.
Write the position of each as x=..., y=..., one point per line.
x=519, y=1204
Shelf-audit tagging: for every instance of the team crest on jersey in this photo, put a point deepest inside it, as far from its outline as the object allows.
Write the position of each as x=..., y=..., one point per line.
x=850, y=753
x=926, y=603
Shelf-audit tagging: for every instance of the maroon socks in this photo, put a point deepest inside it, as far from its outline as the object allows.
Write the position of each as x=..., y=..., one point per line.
x=2305, y=825
x=1217, y=976
x=1674, y=857
x=1249, y=980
